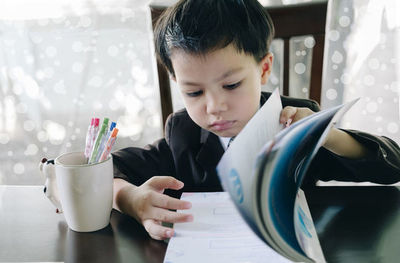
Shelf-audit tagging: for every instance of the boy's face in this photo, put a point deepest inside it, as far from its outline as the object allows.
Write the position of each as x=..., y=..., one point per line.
x=221, y=90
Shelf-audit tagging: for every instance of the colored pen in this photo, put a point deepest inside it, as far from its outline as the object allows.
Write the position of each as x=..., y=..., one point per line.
x=94, y=134
x=110, y=144
x=104, y=141
x=88, y=144
x=102, y=133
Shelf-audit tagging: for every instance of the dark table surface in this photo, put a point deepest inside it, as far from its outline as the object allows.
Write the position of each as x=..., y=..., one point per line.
x=357, y=224
x=354, y=224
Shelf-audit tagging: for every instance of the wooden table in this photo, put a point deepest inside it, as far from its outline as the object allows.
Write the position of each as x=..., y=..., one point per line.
x=354, y=224
x=30, y=230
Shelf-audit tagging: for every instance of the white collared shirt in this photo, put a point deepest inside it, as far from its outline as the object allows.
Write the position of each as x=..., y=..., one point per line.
x=224, y=141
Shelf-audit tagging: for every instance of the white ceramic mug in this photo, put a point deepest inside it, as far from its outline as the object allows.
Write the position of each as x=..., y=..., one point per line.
x=85, y=191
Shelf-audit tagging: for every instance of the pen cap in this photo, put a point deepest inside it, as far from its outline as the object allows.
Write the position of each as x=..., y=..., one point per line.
x=112, y=126
x=103, y=129
x=114, y=132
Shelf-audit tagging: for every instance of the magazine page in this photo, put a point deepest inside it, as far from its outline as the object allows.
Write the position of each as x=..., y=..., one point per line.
x=305, y=229
x=282, y=166
x=237, y=166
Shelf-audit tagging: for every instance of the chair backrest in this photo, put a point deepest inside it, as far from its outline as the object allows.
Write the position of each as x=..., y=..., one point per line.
x=289, y=21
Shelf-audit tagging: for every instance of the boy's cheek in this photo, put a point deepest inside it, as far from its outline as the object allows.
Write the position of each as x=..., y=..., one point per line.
x=196, y=116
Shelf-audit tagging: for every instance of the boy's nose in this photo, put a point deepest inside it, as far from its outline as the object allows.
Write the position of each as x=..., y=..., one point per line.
x=216, y=103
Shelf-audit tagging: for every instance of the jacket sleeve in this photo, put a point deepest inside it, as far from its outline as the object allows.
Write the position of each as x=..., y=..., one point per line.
x=137, y=165
x=381, y=166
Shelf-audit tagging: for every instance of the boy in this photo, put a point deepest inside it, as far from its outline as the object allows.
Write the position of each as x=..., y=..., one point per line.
x=218, y=53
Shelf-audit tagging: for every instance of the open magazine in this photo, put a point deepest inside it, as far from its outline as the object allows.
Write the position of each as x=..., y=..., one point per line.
x=263, y=170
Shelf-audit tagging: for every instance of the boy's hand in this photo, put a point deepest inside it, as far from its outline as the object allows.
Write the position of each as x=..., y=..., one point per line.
x=150, y=206
x=291, y=114
x=337, y=141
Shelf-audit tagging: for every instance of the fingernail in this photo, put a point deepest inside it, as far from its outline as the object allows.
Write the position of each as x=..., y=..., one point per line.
x=189, y=218
x=187, y=205
x=169, y=233
x=180, y=184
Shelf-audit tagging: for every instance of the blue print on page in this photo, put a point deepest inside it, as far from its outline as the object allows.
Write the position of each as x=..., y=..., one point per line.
x=235, y=186
x=303, y=221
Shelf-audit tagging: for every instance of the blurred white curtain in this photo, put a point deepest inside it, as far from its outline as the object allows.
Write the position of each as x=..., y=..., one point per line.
x=63, y=62
x=362, y=59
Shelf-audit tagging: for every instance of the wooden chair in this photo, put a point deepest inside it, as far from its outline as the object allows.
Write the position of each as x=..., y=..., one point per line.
x=289, y=21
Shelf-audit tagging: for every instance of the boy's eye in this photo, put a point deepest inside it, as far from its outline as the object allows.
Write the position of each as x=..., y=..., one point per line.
x=194, y=94
x=232, y=86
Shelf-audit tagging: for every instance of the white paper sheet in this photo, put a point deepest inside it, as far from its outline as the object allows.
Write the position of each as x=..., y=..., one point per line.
x=217, y=234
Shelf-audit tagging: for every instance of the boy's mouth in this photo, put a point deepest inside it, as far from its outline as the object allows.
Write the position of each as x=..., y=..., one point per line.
x=221, y=125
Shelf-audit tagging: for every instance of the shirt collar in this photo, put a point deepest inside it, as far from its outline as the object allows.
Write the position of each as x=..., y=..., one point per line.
x=224, y=141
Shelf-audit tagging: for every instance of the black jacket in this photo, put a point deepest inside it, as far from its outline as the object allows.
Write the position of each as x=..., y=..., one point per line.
x=191, y=154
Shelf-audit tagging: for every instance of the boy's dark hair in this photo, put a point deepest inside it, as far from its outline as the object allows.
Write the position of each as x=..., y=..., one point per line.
x=201, y=26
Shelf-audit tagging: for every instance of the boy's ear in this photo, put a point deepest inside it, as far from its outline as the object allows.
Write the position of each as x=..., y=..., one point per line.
x=266, y=67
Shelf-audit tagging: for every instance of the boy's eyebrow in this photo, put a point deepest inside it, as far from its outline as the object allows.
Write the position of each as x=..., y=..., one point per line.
x=228, y=73
x=223, y=76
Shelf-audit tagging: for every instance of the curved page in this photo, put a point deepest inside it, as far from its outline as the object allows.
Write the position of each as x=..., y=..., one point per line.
x=283, y=166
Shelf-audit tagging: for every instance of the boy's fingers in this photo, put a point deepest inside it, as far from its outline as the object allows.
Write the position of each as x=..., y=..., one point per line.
x=303, y=112
x=167, y=202
x=156, y=230
x=165, y=215
x=165, y=182
x=287, y=114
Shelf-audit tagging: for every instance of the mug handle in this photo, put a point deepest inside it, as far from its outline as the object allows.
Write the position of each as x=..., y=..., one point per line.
x=46, y=167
